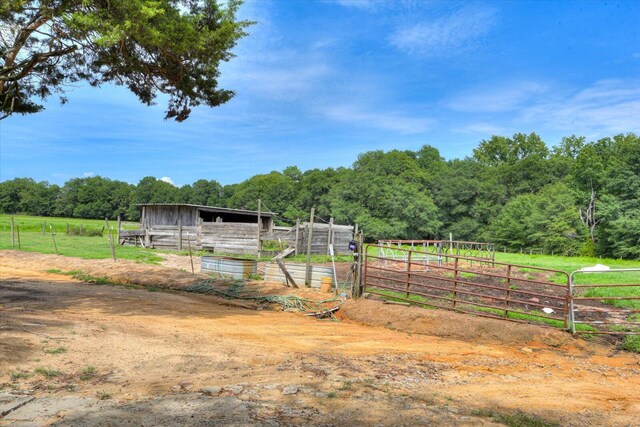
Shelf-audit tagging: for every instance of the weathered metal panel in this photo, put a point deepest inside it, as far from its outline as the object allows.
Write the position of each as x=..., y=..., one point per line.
x=236, y=268
x=273, y=273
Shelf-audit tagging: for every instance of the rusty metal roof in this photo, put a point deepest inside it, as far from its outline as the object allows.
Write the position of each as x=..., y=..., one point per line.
x=211, y=208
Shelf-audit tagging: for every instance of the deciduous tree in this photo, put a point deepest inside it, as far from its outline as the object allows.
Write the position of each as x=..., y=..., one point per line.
x=173, y=47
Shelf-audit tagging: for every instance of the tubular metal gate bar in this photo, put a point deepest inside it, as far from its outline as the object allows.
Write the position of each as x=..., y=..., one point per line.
x=477, y=286
x=439, y=248
x=622, y=316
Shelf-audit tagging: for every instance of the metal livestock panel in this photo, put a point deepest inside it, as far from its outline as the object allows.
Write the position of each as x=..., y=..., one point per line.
x=236, y=268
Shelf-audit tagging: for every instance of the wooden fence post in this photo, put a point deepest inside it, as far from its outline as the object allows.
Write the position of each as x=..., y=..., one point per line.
x=297, y=235
x=329, y=233
x=179, y=230
x=190, y=255
x=307, y=276
x=119, y=227
x=18, y=233
x=259, y=228
x=53, y=237
x=113, y=250
x=13, y=237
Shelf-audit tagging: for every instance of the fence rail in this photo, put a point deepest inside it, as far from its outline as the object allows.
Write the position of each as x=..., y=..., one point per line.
x=435, y=250
x=473, y=285
x=622, y=316
x=517, y=293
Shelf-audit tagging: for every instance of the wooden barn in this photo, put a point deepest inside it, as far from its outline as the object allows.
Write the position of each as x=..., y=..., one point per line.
x=230, y=231
x=180, y=226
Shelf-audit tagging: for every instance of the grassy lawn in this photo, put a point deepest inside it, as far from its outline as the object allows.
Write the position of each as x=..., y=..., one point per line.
x=87, y=247
x=28, y=223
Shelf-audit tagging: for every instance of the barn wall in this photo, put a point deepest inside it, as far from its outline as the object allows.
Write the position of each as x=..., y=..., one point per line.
x=169, y=215
x=163, y=225
x=168, y=237
x=233, y=238
x=341, y=235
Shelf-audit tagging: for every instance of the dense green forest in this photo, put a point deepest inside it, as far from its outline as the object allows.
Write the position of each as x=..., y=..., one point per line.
x=575, y=198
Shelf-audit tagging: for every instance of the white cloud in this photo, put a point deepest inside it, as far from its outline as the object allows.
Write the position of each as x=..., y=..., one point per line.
x=496, y=99
x=286, y=82
x=387, y=120
x=167, y=179
x=446, y=35
x=604, y=107
x=88, y=174
x=482, y=128
x=359, y=4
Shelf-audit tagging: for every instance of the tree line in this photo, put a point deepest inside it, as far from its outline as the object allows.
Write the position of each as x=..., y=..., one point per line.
x=576, y=198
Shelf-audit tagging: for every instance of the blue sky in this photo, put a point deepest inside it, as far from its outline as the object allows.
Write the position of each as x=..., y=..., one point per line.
x=319, y=82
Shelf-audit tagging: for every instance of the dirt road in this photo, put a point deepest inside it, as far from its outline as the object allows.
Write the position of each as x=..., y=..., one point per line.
x=105, y=355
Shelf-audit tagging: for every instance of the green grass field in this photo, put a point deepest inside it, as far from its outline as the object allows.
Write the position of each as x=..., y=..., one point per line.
x=87, y=247
x=28, y=223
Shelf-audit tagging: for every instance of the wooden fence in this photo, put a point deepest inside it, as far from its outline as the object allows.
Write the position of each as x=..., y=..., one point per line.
x=240, y=238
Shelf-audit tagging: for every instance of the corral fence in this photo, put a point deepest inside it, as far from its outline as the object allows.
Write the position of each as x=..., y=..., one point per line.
x=622, y=313
x=437, y=250
x=484, y=287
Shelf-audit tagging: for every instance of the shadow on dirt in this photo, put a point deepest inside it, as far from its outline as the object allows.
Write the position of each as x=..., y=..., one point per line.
x=22, y=300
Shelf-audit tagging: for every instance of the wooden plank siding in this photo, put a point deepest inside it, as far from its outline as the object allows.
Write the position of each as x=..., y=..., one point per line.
x=234, y=238
x=161, y=225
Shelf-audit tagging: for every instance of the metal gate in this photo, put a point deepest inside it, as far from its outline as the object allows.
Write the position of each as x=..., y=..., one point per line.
x=621, y=312
x=518, y=293
x=473, y=285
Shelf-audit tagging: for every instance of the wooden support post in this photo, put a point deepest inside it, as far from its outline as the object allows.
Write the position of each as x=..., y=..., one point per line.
x=307, y=276
x=288, y=278
x=190, y=255
x=67, y=229
x=355, y=278
x=362, y=265
x=297, y=243
x=18, y=233
x=259, y=228
x=179, y=230
x=44, y=224
x=113, y=249
x=119, y=229
x=329, y=234
x=53, y=237
x=13, y=237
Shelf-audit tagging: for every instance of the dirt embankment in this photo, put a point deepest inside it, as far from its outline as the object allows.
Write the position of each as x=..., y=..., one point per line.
x=446, y=324
x=111, y=355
